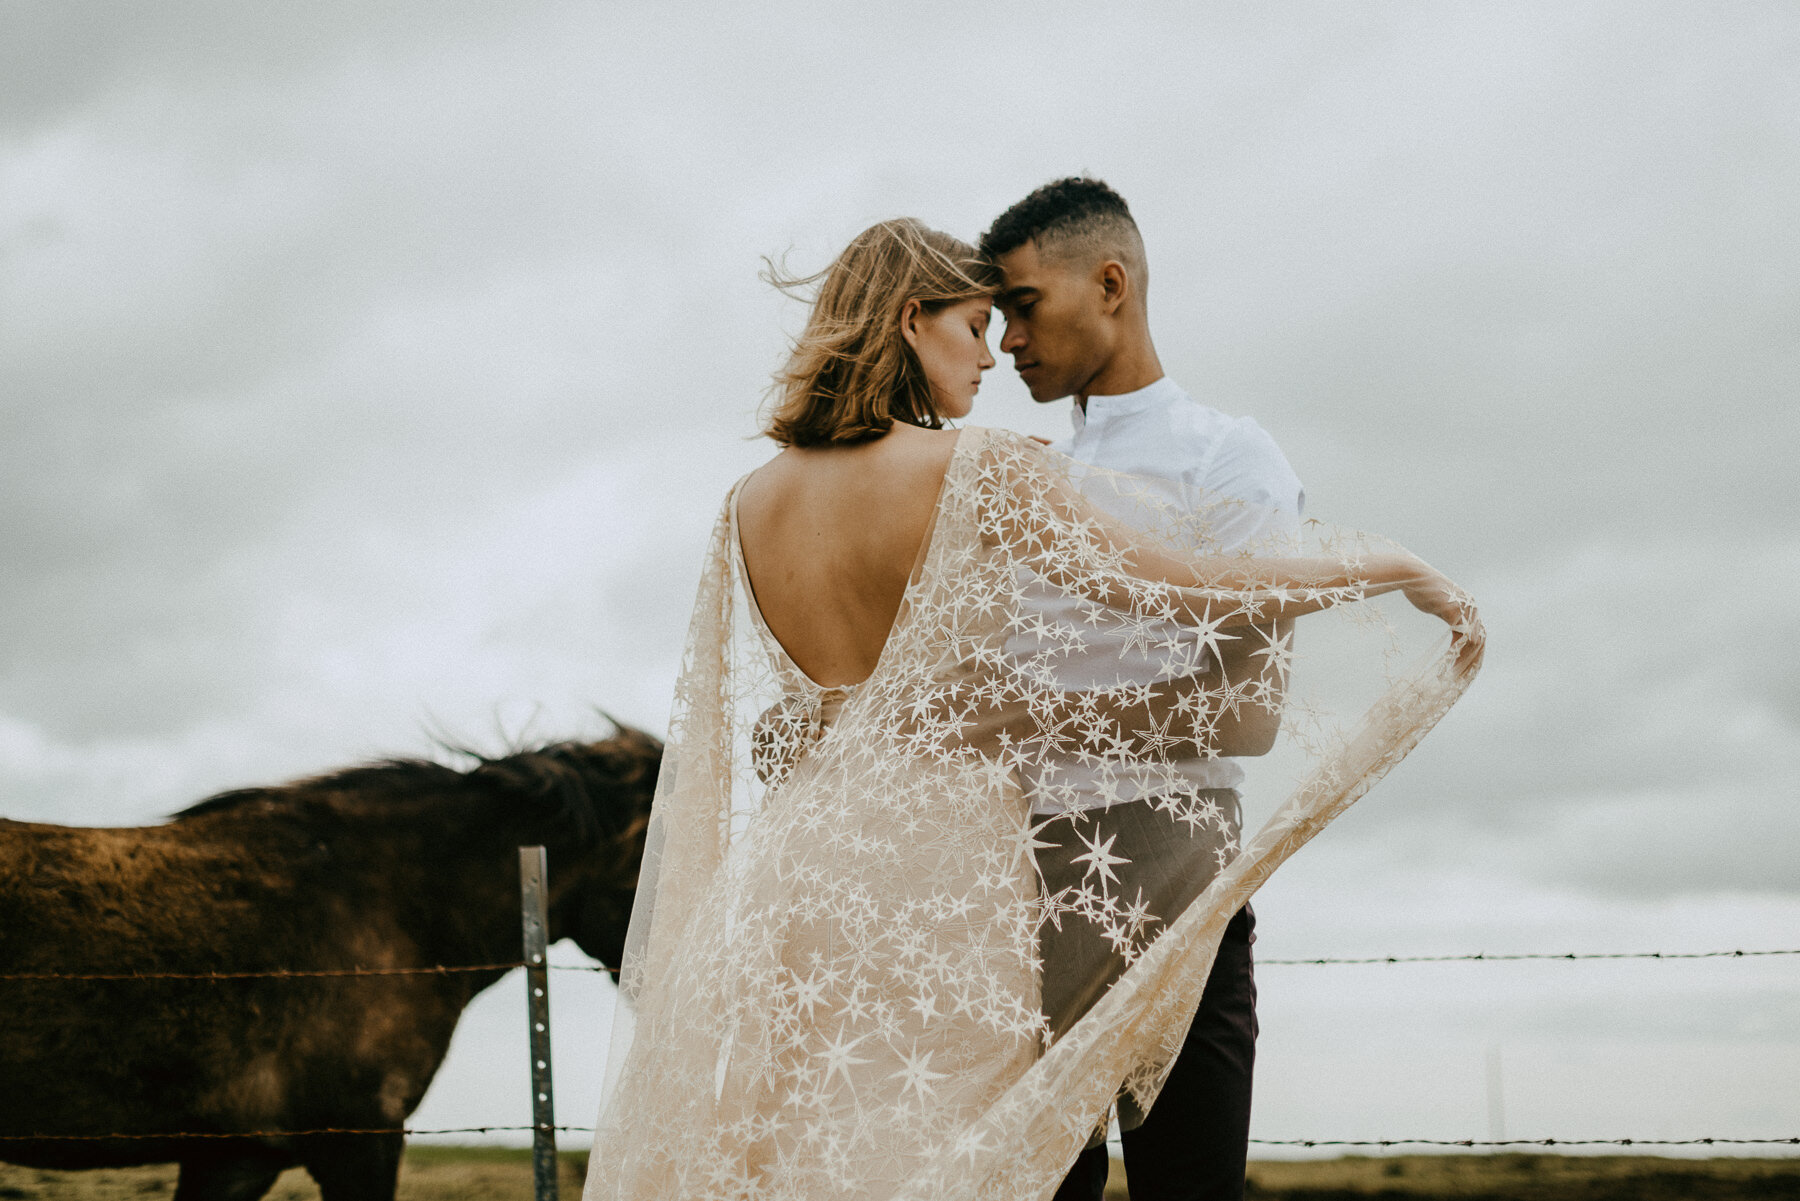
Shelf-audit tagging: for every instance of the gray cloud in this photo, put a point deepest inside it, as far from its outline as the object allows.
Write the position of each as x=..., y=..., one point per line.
x=1502, y=287
x=371, y=368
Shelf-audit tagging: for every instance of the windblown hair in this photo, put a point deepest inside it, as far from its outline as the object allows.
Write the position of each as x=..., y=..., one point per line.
x=851, y=375
x=1074, y=219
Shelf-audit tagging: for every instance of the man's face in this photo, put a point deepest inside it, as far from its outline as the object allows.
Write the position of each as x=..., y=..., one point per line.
x=1054, y=330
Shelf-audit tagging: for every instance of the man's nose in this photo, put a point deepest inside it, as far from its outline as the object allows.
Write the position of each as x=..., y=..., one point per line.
x=1013, y=340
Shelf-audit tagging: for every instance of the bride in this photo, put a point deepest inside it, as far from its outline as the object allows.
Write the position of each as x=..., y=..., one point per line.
x=832, y=986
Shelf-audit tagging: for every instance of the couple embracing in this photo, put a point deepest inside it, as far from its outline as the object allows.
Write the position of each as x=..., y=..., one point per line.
x=945, y=871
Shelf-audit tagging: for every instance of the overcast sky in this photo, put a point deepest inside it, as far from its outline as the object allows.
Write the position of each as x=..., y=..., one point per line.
x=370, y=371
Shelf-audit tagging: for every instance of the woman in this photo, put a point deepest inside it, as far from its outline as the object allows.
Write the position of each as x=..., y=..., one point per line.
x=832, y=986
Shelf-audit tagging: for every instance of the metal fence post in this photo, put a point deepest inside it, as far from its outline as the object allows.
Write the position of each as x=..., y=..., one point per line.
x=532, y=873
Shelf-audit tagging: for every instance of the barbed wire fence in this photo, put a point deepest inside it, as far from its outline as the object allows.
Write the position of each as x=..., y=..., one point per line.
x=544, y=1128
x=591, y=969
x=420, y=1131
x=1511, y=957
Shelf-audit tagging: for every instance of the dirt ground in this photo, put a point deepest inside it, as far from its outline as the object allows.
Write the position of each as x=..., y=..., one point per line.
x=504, y=1174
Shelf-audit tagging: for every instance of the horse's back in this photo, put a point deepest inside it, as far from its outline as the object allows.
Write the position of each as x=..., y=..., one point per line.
x=217, y=892
x=86, y=894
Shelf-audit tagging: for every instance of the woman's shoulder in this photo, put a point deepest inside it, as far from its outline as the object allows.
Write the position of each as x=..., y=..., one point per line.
x=907, y=457
x=997, y=440
x=987, y=451
x=883, y=463
x=907, y=452
x=1005, y=452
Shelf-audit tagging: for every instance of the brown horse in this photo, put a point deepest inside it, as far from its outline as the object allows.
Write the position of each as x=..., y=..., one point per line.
x=398, y=864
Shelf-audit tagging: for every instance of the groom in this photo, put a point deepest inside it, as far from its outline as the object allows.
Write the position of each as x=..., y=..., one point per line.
x=1076, y=326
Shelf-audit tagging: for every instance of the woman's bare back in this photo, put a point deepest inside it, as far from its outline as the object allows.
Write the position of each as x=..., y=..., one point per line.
x=831, y=536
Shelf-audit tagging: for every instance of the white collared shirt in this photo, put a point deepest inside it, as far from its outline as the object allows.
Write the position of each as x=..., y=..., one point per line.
x=1200, y=456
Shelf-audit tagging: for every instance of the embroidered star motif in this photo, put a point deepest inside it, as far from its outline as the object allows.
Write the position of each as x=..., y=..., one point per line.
x=1099, y=857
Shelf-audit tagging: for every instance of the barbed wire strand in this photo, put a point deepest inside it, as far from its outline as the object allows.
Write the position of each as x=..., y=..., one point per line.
x=278, y=973
x=1265, y=1142
x=1476, y=957
x=1523, y=1142
x=175, y=1134
x=446, y=969
x=1487, y=957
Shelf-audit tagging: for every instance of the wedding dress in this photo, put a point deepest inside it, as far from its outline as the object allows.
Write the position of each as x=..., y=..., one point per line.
x=832, y=987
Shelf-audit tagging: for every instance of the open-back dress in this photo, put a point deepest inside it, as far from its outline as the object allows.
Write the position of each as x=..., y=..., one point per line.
x=834, y=982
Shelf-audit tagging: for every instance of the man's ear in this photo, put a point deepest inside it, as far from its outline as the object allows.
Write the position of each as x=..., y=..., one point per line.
x=909, y=322
x=1115, y=285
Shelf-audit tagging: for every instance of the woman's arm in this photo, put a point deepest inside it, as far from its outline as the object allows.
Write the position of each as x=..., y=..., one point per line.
x=1080, y=547
x=1225, y=593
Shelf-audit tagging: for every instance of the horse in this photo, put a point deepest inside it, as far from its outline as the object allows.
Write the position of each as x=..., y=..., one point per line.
x=399, y=864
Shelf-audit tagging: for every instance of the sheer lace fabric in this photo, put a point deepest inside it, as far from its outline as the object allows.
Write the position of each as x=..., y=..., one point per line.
x=859, y=966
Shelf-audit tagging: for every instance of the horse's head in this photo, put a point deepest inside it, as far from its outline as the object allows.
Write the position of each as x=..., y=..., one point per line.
x=626, y=766
x=596, y=799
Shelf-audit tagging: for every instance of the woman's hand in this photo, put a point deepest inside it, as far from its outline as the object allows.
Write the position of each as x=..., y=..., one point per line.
x=1430, y=591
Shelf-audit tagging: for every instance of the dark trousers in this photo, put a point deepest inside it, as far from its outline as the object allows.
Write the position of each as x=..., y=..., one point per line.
x=1195, y=1141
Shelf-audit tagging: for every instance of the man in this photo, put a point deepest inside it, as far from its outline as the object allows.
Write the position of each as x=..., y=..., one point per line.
x=1077, y=326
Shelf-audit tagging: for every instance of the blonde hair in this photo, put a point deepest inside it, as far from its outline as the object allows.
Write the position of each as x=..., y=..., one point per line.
x=851, y=375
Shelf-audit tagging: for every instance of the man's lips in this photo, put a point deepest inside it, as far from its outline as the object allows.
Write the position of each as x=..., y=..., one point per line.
x=1022, y=368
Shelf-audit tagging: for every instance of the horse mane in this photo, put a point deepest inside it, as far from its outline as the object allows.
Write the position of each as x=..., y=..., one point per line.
x=559, y=784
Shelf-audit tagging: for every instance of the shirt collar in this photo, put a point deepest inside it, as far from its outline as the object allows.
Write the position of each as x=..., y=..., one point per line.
x=1102, y=408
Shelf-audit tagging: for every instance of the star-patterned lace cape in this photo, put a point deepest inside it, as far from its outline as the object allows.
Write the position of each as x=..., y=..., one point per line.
x=912, y=938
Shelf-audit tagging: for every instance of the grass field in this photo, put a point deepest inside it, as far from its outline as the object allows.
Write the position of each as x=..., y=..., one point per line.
x=504, y=1174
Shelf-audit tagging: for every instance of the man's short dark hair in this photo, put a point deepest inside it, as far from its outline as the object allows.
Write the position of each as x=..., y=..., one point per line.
x=1052, y=209
x=1077, y=217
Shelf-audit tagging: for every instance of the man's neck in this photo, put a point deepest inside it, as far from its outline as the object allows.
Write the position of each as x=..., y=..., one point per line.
x=1125, y=372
